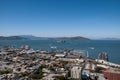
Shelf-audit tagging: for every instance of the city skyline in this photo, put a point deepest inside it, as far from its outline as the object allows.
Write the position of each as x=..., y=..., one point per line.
x=59, y=18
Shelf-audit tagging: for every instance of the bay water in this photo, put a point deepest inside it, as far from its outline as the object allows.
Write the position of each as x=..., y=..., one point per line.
x=94, y=47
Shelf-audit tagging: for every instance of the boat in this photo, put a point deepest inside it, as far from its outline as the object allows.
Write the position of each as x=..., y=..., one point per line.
x=53, y=47
x=61, y=41
x=92, y=48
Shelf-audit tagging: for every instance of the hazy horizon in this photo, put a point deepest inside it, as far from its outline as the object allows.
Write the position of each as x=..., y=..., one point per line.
x=60, y=18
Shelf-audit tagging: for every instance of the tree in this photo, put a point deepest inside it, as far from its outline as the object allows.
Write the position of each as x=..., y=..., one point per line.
x=60, y=77
x=98, y=70
x=5, y=71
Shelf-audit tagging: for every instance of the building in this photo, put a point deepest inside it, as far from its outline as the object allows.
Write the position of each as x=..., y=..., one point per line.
x=112, y=75
x=59, y=55
x=76, y=72
x=103, y=56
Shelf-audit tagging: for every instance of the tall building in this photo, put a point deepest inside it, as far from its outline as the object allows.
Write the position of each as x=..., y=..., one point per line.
x=76, y=72
x=103, y=56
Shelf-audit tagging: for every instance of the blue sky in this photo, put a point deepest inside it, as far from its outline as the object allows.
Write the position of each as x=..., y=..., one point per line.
x=54, y=18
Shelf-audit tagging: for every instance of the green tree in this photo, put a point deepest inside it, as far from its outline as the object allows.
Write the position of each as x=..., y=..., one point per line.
x=5, y=71
x=60, y=77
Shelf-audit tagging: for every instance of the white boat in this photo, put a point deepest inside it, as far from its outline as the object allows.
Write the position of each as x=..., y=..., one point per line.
x=92, y=48
x=61, y=41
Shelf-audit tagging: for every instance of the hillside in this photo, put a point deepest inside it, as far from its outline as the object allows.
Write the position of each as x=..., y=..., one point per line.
x=76, y=38
x=12, y=38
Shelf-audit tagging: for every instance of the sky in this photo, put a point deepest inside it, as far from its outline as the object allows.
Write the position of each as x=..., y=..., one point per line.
x=58, y=18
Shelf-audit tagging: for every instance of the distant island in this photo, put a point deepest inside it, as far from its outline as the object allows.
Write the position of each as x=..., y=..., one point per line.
x=58, y=38
x=75, y=38
x=30, y=37
x=110, y=39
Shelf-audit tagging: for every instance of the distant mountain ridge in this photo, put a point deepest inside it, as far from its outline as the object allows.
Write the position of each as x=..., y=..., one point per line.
x=12, y=38
x=110, y=38
x=31, y=37
x=65, y=38
x=76, y=38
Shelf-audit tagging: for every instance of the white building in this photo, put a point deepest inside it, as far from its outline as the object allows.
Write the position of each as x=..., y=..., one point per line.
x=60, y=55
x=76, y=72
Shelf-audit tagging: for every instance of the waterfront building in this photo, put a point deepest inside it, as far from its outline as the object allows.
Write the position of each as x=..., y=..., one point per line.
x=112, y=75
x=59, y=55
x=103, y=56
x=76, y=72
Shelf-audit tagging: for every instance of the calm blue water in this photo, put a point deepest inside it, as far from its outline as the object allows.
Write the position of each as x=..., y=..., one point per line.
x=111, y=47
